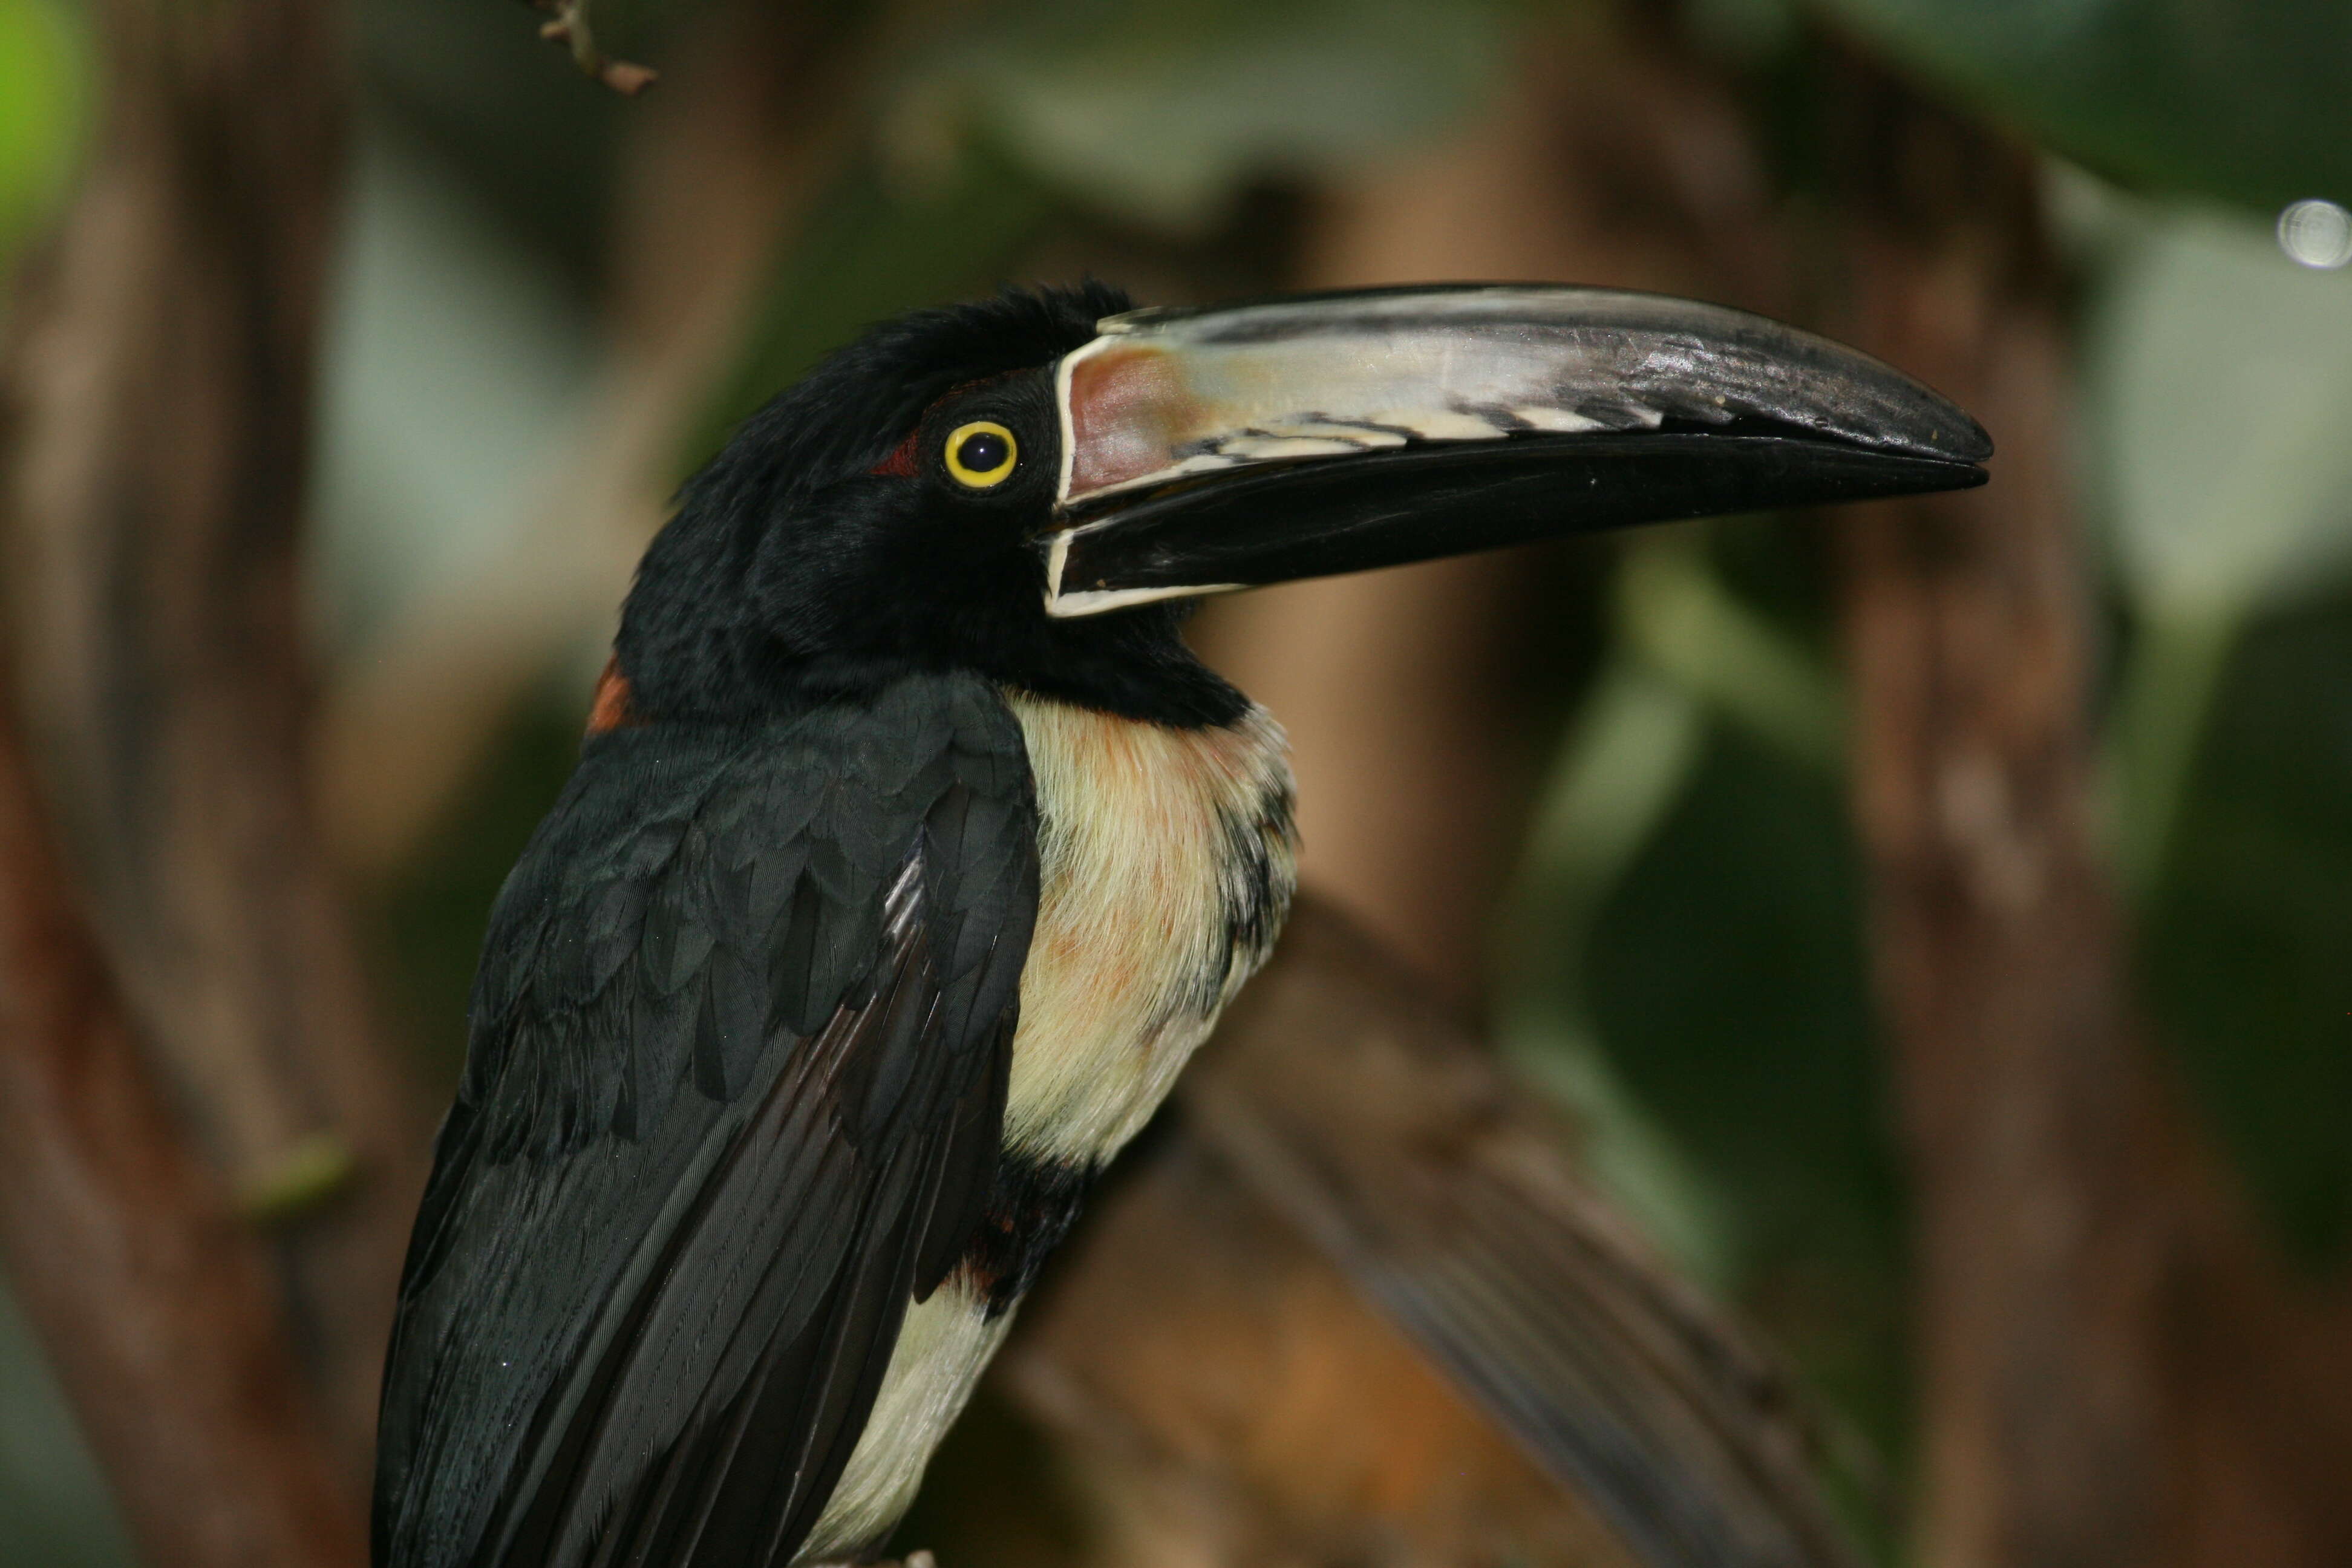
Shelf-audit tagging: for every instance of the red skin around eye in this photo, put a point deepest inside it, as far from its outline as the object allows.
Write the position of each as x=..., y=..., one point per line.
x=900, y=463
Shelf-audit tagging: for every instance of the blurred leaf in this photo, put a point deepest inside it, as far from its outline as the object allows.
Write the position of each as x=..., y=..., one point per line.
x=1625, y=763
x=2218, y=382
x=308, y=1175
x=2173, y=667
x=43, y=89
x=2218, y=385
x=1748, y=31
x=1726, y=972
x=1688, y=648
x=874, y=249
x=1727, y=979
x=1159, y=113
x=2219, y=376
x=1627, y=760
x=2247, y=951
x=1679, y=616
x=2244, y=100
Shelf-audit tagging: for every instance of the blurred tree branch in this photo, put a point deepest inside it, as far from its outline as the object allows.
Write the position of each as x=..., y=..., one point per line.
x=2045, y=1224
x=719, y=170
x=157, y=388
x=1405, y=1329
x=2089, y=1298
x=156, y=1303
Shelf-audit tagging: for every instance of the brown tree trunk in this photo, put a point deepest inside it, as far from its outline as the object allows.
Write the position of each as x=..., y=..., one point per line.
x=2089, y=1301
x=155, y=1300
x=154, y=421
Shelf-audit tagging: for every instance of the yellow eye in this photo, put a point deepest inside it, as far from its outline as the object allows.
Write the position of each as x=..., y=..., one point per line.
x=980, y=455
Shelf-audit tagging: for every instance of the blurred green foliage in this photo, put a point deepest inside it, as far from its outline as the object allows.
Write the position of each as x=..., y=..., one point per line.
x=1160, y=112
x=1683, y=958
x=871, y=250
x=2247, y=947
x=53, y=1505
x=43, y=89
x=1728, y=981
x=2240, y=99
x=532, y=142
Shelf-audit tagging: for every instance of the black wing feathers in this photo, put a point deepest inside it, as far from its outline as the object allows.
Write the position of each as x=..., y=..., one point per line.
x=741, y=1041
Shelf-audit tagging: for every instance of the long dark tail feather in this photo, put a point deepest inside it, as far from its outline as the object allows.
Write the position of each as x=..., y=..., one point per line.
x=1456, y=1207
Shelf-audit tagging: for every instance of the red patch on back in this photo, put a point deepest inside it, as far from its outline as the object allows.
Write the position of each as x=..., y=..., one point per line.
x=900, y=463
x=612, y=709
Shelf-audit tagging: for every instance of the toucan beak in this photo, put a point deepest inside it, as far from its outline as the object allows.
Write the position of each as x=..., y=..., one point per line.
x=1208, y=450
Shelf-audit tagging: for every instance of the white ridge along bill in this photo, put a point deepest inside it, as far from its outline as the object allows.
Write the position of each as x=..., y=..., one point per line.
x=1165, y=394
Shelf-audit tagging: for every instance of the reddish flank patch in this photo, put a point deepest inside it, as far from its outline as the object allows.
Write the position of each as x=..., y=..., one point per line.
x=611, y=709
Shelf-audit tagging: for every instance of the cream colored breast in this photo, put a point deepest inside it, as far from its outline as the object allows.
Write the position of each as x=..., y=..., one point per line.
x=1167, y=864
x=945, y=1343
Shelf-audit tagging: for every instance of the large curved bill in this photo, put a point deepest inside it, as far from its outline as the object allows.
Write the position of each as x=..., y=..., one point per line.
x=1211, y=449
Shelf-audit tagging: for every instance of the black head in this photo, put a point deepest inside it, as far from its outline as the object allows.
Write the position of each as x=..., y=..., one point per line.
x=880, y=515
x=1022, y=488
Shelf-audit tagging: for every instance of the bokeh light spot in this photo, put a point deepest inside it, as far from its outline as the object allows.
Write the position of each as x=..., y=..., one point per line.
x=2315, y=232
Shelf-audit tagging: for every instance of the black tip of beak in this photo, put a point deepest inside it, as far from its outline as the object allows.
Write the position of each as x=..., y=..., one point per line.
x=1965, y=442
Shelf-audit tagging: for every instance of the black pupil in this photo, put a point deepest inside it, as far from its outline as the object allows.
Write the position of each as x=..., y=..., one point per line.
x=982, y=452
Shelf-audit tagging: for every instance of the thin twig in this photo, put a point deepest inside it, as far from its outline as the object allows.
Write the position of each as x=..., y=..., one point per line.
x=155, y=1302
x=568, y=24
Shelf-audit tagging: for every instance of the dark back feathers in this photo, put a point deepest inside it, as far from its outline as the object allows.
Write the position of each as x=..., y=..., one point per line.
x=736, y=1082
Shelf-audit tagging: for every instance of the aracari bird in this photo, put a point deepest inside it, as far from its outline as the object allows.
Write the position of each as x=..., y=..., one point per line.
x=910, y=854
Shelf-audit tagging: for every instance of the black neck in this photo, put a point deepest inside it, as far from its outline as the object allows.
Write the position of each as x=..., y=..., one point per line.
x=1132, y=663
